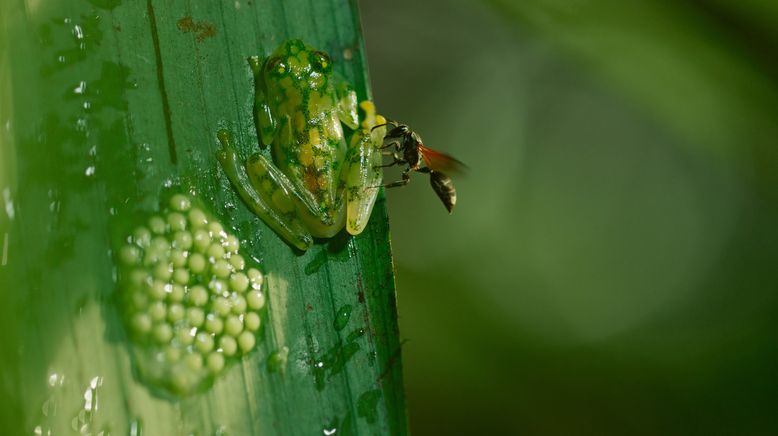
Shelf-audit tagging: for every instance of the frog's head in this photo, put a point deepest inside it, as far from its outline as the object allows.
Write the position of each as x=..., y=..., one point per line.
x=299, y=62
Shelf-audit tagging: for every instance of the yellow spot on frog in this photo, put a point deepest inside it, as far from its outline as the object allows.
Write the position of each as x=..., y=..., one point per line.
x=370, y=116
x=299, y=121
x=286, y=83
x=378, y=134
x=294, y=63
x=306, y=153
x=318, y=103
x=332, y=126
x=313, y=137
x=293, y=98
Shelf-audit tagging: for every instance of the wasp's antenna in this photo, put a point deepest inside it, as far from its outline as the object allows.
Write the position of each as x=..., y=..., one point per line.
x=387, y=123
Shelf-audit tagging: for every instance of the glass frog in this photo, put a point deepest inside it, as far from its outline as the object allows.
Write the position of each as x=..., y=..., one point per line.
x=317, y=181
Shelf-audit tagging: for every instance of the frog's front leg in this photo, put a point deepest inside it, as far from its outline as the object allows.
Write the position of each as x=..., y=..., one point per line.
x=266, y=191
x=362, y=173
x=263, y=117
x=347, y=105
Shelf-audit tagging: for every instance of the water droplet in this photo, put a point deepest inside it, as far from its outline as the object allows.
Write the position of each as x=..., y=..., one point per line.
x=95, y=382
x=88, y=399
x=136, y=427
x=81, y=88
x=81, y=124
x=9, y=204
x=90, y=171
x=329, y=431
x=78, y=32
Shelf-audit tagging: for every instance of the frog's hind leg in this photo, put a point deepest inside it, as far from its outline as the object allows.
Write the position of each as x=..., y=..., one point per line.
x=363, y=174
x=266, y=191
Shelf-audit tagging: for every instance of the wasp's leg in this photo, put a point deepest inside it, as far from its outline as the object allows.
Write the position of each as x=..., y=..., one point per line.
x=347, y=105
x=390, y=164
x=266, y=124
x=396, y=144
x=362, y=173
x=266, y=191
x=405, y=180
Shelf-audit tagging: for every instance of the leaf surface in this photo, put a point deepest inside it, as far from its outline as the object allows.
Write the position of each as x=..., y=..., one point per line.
x=105, y=105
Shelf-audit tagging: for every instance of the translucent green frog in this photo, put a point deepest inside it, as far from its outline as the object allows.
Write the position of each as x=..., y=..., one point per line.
x=317, y=182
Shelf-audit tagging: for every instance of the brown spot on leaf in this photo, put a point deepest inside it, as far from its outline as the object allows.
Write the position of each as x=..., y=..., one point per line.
x=202, y=29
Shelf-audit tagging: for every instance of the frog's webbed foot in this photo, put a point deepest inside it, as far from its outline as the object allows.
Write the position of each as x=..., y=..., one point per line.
x=266, y=191
x=347, y=105
x=363, y=174
x=266, y=124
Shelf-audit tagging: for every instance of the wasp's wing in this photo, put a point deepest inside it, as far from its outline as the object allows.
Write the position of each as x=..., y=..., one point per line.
x=438, y=161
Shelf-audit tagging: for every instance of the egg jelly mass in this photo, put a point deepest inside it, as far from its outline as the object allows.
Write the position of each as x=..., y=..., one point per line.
x=190, y=302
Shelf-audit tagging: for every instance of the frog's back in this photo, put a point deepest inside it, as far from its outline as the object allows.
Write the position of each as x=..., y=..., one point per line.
x=309, y=145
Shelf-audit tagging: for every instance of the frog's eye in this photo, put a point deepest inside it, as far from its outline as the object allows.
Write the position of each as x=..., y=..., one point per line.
x=320, y=61
x=274, y=65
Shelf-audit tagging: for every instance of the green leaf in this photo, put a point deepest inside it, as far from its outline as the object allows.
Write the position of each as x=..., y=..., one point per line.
x=104, y=105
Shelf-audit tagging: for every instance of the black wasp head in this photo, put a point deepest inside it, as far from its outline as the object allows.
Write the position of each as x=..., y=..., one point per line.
x=400, y=131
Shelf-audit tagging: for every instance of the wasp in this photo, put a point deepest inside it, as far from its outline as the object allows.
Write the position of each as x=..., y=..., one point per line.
x=408, y=149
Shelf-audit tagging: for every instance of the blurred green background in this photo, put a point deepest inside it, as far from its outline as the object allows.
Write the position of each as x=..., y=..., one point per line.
x=611, y=265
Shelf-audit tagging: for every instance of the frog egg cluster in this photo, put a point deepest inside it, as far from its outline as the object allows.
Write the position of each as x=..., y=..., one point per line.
x=190, y=302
